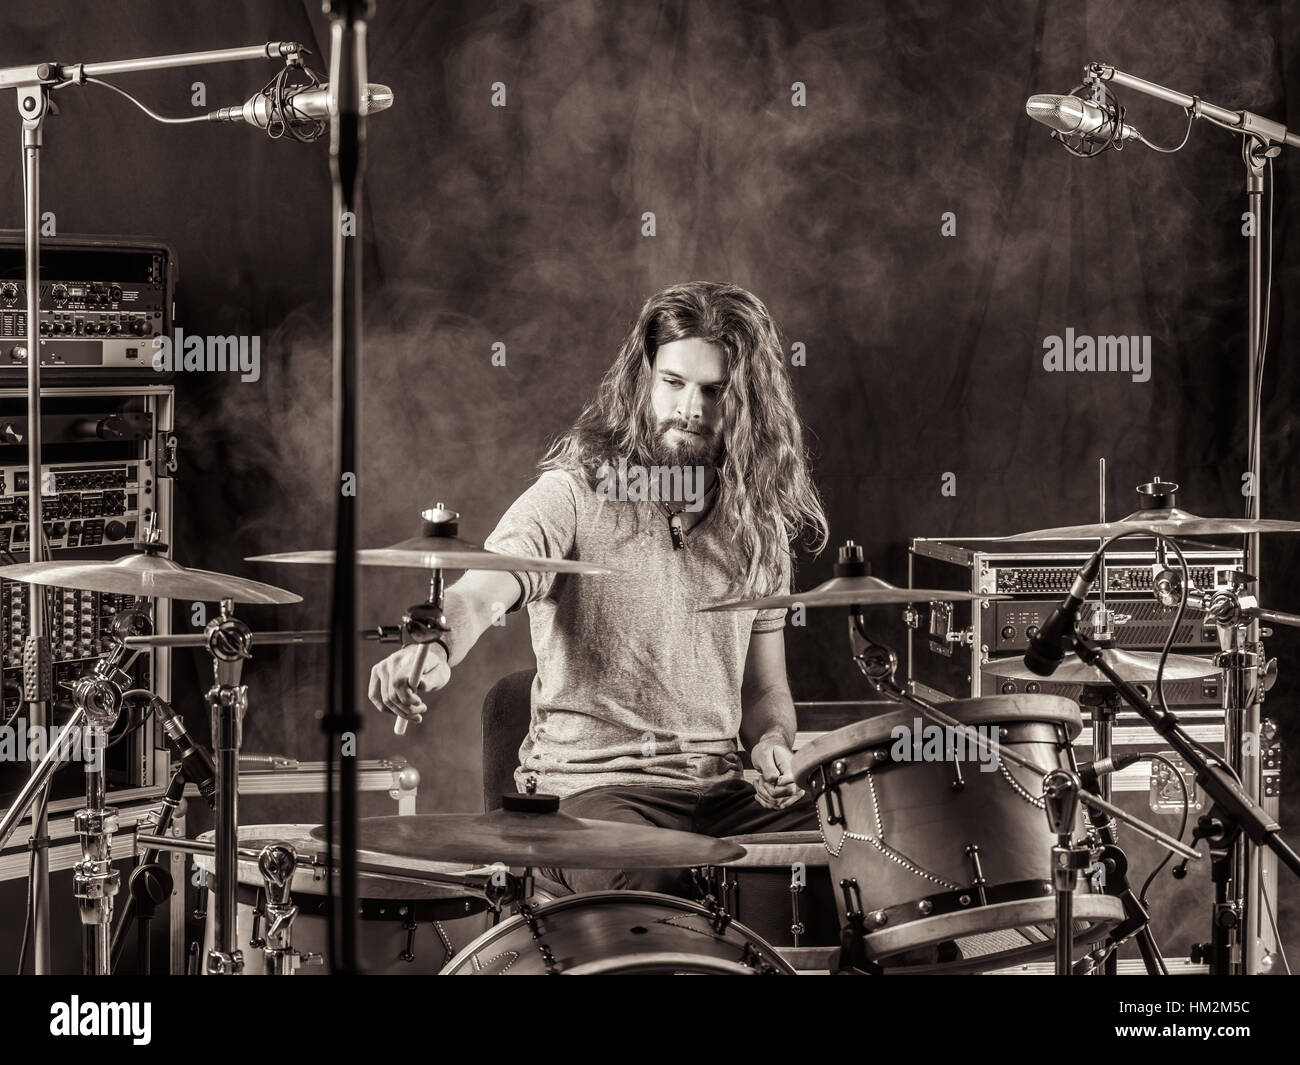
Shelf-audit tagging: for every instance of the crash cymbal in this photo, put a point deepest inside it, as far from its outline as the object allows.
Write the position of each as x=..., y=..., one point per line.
x=1165, y=521
x=440, y=552
x=147, y=574
x=1136, y=667
x=538, y=839
x=852, y=591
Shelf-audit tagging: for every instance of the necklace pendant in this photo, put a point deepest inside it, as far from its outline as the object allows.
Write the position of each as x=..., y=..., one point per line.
x=675, y=527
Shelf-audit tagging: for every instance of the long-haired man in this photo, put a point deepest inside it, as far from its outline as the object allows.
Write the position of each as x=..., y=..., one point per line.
x=689, y=474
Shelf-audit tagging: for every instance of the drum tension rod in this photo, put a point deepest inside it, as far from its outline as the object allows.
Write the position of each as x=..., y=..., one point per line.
x=973, y=852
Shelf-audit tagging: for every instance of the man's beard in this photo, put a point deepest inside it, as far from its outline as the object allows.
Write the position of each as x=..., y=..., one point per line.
x=687, y=450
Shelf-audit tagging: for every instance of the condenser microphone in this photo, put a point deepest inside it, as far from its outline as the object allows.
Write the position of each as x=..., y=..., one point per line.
x=308, y=104
x=1073, y=117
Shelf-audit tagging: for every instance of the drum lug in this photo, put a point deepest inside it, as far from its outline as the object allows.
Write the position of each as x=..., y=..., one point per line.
x=852, y=953
x=409, y=924
x=852, y=899
x=973, y=852
x=256, y=940
x=796, y=918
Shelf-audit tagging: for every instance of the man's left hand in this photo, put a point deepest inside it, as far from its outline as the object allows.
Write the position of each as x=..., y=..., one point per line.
x=775, y=787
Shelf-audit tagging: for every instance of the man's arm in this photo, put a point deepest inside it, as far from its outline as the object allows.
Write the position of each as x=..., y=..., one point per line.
x=767, y=720
x=541, y=523
x=470, y=606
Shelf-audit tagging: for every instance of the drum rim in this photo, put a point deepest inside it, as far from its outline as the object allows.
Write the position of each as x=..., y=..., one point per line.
x=602, y=897
x=985, y=710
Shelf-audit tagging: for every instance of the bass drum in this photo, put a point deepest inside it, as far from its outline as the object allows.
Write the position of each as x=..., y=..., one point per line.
x=619, y=933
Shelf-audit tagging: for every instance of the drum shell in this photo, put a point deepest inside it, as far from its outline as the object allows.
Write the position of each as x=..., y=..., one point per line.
x=920, y=838
x=928, y=826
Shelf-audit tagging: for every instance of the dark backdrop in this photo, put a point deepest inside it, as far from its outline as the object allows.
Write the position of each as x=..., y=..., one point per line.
x=522, y=225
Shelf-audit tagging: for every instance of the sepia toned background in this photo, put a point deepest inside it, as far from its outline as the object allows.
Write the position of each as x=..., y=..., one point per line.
x=523, y=225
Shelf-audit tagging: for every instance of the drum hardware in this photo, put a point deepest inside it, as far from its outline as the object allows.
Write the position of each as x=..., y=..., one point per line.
x=437, y=548
x=425, y=623
x=879, y=664
x=1233, y=811
x=276, y=862
x=228, y=642
x=97, y=700
x=496, y=887
x=1069, y=859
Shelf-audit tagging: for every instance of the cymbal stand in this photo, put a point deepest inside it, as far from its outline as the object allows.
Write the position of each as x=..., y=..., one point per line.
x=98, y=697
x=228, y=643
x=425, y=623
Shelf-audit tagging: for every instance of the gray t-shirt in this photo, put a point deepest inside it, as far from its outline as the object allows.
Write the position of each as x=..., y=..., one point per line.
x=633, y=686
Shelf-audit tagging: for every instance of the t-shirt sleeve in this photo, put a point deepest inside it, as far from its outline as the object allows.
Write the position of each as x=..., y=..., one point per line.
x=774, y=619
x=541, y=523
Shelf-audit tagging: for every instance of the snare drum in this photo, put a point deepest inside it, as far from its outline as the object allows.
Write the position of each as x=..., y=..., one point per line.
x=931, y=845
x=781, y=888
x=620, y=933
x=407, y=927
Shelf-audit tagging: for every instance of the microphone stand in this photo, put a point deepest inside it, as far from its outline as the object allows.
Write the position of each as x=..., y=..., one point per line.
x=1233, y=812
x=32, y=84
x=1263, y=140
x=347, y=165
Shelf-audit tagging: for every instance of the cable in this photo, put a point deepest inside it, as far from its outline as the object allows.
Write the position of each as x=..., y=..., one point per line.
x=30, y=914
x=1217, y=759
x=1259, y=355
x=152, y=114
x=1193, y=113
x=1276, y=937
x=1187, y=805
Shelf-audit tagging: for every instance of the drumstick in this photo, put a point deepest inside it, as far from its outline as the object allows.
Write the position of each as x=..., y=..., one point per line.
x=399, y=726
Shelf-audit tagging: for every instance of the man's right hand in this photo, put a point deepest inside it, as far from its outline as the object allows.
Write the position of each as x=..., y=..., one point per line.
x=390, y=680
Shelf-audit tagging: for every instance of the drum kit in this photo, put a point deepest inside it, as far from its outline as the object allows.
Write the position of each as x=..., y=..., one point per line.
x=992, y=848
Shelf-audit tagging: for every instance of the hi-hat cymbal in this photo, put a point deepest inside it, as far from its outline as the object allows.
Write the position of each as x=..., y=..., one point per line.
x=538, y=839
x=147, y=574
x=1136, y=667
x=1164, y=521
x=852, y=591
x=441, y=552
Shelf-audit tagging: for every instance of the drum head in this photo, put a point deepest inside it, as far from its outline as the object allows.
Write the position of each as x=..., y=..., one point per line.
x=992, y=710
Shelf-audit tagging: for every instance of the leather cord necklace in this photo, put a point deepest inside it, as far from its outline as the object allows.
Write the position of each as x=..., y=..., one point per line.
x=675, y=519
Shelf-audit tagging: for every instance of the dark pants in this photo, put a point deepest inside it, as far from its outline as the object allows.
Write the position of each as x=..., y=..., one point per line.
x=728, y=809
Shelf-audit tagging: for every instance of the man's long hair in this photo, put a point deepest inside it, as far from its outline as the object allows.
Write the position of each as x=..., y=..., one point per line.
x=766, y=495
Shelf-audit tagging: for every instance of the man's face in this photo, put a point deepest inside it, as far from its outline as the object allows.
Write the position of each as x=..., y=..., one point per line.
x=689, y=376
